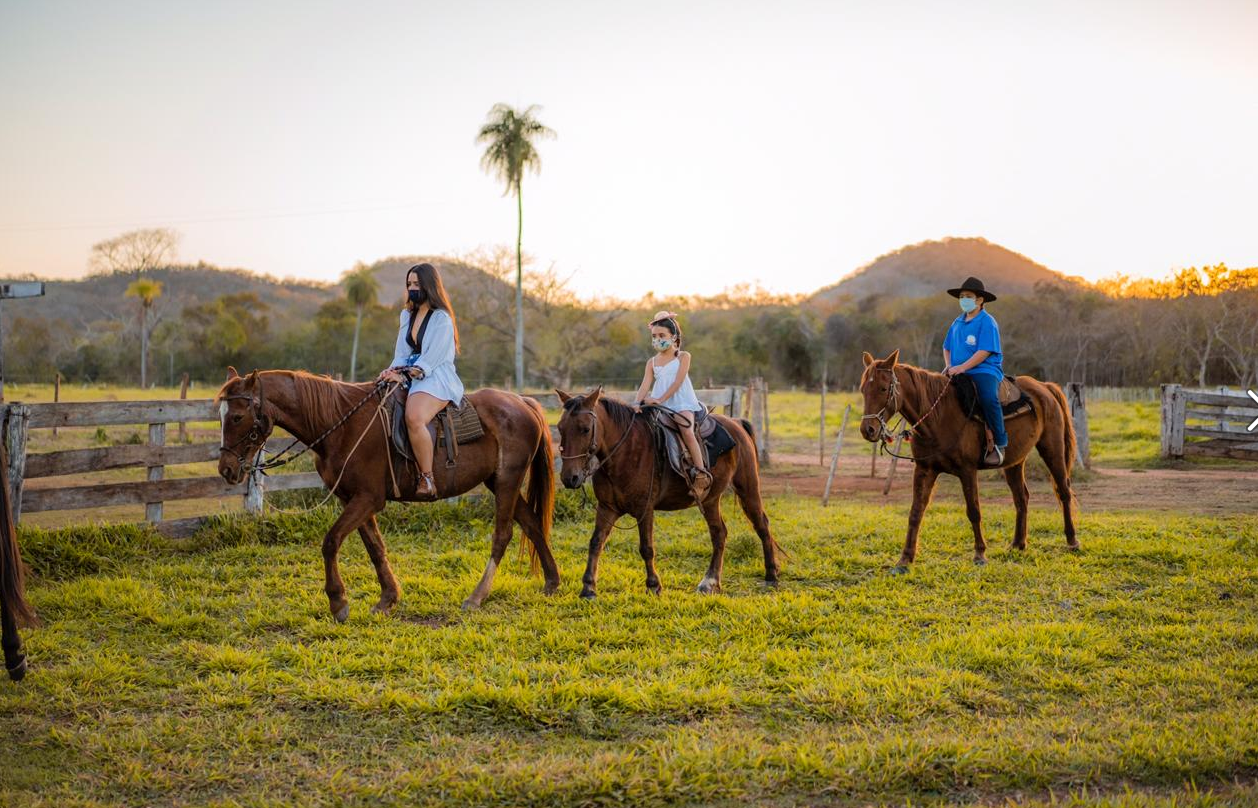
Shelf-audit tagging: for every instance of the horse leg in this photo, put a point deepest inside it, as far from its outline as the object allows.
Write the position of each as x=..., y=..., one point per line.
x=924, y=478
x=506, y=495
x=711, y=583
x=604, y=518
x=646, y=549
x=969, y=486
x=1016, y=477
x=1060, y=474
x=533, y=529
x=356, y=510
x=14, y=659
x=374, y=542
x=747, y=487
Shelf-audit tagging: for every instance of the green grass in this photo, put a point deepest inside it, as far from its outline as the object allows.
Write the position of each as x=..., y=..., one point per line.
x=211, y=672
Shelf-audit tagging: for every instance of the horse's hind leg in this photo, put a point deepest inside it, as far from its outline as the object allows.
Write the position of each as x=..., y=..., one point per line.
x=356, y=510
x=969, y=486
x=506, y=495
x=646, y=549
x=711, y=583
x=1015, y=476
x=374, y=542
x=748, y=491
x=1060, y=475
x=14, y=659
x=533, y=529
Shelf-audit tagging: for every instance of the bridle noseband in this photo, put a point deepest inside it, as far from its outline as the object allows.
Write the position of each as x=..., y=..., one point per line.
x=592, y=463
x=256, y=437
x=894, y=400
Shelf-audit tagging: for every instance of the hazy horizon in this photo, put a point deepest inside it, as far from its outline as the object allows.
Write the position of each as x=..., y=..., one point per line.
x=699, y=148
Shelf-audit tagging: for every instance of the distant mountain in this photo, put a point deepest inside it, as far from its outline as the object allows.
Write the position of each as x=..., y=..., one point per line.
x=928, y=268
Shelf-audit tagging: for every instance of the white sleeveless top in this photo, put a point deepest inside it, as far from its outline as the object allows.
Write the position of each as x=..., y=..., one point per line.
x=684, y=400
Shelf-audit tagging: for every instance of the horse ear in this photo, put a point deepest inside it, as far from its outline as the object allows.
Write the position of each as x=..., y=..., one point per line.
x=231, y=373
x=564, y=398
x=867, y=358
x=592, y=398
x=892, y=359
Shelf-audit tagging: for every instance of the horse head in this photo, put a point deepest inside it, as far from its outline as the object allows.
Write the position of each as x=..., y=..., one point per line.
x=883, y=396
x=245, y=425
x=578, y=437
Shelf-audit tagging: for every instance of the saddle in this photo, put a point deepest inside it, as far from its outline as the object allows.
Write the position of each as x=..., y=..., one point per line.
x=460, y=421
x=1013, y=401
x=714, y=439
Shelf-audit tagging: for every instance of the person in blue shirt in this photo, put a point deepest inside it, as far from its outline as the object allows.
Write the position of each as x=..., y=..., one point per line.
x=972, y=347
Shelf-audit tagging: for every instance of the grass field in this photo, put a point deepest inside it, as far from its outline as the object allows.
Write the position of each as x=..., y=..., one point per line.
x=210, y=673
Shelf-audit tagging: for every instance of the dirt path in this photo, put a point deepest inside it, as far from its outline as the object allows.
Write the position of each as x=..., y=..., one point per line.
x=1199, y=490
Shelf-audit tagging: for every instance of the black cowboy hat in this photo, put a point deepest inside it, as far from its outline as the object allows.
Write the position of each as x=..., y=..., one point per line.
x=973, y=285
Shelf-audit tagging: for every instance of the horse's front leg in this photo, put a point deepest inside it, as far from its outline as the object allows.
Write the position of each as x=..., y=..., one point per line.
x=924, y=478
x=356, y=511
x=604, y=518
x=646, y=549
x=711, y=583
x=969, y=487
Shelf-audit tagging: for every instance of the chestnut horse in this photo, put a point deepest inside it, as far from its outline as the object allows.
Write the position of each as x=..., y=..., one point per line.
x=612, y=443
x=945, y=440
x=353, y=459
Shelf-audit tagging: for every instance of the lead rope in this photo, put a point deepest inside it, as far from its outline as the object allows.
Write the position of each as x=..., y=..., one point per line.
x=379, y=413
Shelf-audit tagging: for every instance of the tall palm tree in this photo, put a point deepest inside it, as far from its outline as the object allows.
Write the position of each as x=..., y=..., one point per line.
x=508, y=135
x=147, y=291
x=361, y=289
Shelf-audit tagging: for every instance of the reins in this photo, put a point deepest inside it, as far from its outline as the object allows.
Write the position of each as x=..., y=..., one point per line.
x=887, y=432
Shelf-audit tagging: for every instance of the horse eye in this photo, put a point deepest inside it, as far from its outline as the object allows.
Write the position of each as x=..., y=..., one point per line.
x=585, y=430
x=236, y=418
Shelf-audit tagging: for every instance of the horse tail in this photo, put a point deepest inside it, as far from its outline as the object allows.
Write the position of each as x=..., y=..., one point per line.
x=12, y=576
x=1070, y=425
x=747, y=426
x=541, y=488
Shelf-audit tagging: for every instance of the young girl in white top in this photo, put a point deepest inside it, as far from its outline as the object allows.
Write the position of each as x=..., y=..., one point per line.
x=667, y=378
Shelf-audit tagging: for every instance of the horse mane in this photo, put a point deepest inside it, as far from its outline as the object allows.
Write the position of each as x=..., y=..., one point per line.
x=320, y=398
x=930, y=382
x=620, y=413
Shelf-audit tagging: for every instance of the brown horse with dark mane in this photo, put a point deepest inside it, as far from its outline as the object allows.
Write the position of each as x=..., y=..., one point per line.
x=353, y=458
x=15, y=612
x=612, y=443
x=945, y=440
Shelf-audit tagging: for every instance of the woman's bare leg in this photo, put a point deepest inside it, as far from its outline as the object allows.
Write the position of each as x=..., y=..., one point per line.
x=420, y=409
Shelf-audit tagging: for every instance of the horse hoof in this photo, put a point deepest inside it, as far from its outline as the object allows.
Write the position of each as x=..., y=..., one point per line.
x=383, y=608
x=770, y=583
x=654, y=590
x=980, y=562
x=709, y=587
x=1074, y=548
x=588, y=594
x=550, y=589
x=899, y=569
x=18, y=671
x=341, y=614
x=470, y=605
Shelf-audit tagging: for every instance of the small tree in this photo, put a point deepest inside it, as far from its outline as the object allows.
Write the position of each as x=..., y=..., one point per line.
x=147, y=291
x=135, y=252
x=361, y=289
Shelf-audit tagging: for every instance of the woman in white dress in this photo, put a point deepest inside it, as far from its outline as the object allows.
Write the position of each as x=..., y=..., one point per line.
x=427, y=341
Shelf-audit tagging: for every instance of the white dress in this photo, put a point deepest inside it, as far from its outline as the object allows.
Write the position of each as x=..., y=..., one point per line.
x=684, y=400
x=435, y=358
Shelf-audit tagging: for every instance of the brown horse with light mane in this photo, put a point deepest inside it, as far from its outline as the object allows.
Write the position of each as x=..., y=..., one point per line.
x=613, y=444
x=353, y=460
x=945, y=440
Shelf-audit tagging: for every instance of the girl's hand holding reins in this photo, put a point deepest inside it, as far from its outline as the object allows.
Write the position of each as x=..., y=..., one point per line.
x=389, y=374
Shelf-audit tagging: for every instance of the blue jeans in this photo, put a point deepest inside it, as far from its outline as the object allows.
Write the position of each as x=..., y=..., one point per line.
x=988, y=398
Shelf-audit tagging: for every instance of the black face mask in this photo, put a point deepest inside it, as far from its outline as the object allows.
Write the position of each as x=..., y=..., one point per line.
x=416, y=296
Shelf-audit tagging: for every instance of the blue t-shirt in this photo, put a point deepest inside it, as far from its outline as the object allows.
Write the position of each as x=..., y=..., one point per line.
x=979, y=334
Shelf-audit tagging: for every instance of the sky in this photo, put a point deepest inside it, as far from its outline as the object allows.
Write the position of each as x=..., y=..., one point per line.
x=700, y=144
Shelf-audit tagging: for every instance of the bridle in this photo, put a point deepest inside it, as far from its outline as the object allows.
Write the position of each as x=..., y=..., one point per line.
x=890, y=408
x=593, y=463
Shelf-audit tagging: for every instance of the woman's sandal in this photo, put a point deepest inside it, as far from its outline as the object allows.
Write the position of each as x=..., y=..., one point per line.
x=425, y=487
x=700, y=484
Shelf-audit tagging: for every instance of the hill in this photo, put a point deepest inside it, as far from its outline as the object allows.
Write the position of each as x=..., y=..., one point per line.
x=929, y=267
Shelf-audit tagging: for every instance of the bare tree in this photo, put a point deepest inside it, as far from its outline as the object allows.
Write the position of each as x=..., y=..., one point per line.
x=135, y=252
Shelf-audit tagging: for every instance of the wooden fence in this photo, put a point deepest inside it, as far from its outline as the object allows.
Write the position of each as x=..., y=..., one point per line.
x=1223, y=418
x=155, y=456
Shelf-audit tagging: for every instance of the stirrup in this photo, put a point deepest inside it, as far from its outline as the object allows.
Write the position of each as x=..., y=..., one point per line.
x=425, y=487
x=996, y=452
x=700, y=483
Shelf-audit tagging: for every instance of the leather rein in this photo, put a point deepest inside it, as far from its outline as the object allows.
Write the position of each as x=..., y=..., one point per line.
x=895, y=399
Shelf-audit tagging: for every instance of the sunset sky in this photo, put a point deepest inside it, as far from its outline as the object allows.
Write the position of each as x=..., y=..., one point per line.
x=700, y=144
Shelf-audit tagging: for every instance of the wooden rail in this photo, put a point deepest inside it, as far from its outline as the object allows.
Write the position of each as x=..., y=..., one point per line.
x=1222, y=417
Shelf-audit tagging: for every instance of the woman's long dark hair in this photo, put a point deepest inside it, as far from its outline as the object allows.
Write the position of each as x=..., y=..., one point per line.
x=434, y=292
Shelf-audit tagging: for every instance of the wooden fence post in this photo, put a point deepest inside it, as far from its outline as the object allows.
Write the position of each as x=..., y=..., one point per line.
x=56, y=396
x=183, y=394
x=1079, y=415
x=886, y=489
x=873, y=462
x=834, y=459
x=16, y=424
x=764, y=406
x=1173, y=421
x=254, y=488
x=736, y=396
x=157, y=437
